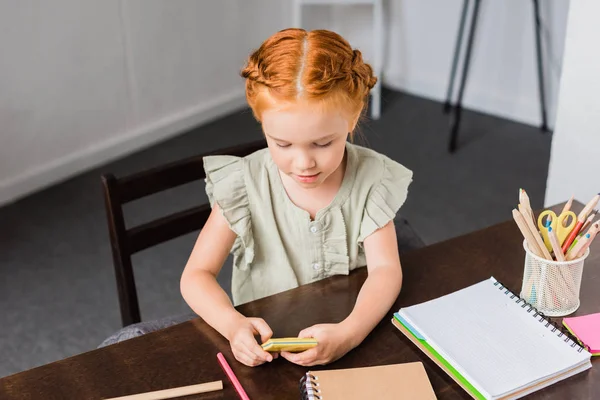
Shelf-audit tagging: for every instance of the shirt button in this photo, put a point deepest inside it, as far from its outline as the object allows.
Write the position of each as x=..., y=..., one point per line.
x=313, y=229
x=316, y=266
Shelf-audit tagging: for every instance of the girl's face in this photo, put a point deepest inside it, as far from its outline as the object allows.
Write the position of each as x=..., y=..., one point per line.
x=306, y=144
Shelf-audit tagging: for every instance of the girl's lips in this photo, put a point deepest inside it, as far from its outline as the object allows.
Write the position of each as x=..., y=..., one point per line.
x=307, y=178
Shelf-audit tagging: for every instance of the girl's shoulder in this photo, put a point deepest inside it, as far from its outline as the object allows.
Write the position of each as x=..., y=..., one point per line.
x=373, y=167
x=255, y=160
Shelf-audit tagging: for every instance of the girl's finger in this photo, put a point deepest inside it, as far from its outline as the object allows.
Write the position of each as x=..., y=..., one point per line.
x=262, y=328
x=305, y=358
x=243, y=358
x=253, y=348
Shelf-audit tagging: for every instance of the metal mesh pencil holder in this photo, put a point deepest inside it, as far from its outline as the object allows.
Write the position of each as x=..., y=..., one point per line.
x=552, y=286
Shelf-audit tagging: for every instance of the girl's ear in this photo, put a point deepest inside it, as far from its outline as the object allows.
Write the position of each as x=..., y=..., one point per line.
x=352, y=123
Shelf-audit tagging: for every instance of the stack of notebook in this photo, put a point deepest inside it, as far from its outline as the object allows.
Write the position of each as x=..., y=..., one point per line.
x=492, y=343
x=587, y=330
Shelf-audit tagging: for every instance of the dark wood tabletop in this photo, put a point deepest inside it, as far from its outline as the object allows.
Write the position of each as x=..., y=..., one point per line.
x=185, y=354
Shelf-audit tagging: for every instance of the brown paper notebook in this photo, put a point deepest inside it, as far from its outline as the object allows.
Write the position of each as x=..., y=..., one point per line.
x=384, y=382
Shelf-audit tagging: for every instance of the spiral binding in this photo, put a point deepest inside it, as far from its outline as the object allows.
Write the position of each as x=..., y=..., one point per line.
x=569, y=337
x=309, y=387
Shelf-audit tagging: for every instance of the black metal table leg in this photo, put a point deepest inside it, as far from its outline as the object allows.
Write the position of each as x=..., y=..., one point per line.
x=455, y=124
x=538, y=45
x=459, y=36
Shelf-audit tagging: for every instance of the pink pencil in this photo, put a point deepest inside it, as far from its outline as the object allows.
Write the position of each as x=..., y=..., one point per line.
x=236, y=384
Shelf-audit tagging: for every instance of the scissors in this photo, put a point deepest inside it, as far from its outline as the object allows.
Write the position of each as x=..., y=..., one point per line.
x=557, y=224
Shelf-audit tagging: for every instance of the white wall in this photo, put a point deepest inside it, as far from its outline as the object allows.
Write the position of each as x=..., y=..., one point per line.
x=421, y=36
x=85, y=82
x=574, y=161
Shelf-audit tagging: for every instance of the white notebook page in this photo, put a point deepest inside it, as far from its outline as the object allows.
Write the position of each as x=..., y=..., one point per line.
x=497, y=345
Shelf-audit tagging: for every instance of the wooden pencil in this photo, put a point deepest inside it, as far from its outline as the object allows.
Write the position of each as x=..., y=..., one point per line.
x=524, y=200
x=580, y=221
x=588, y=222
x=567, y=206
x=536, y=236
x=531, y=242
x=175, y=392
x=555, y=245
x=593, y=232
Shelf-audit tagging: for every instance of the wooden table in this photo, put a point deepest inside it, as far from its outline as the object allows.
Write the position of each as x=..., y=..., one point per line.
x=186, y=354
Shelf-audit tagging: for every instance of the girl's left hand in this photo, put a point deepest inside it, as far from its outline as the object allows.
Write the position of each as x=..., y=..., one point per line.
x=333, y=341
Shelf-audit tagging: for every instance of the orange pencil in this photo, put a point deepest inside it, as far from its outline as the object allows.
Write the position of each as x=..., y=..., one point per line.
x=580, y=221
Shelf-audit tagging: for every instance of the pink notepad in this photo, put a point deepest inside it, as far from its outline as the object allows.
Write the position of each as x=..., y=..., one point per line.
x=587, y=330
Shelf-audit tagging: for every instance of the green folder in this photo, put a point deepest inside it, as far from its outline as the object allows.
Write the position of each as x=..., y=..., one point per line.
x=434, y=354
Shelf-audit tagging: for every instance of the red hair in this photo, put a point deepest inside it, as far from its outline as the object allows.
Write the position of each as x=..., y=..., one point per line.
x=319, y=67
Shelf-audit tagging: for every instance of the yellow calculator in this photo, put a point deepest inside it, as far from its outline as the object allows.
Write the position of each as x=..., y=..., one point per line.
x=293, y=345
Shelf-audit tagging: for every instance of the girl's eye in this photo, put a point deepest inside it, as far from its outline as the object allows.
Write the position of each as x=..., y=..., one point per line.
x=323, y=145
x=283, y=145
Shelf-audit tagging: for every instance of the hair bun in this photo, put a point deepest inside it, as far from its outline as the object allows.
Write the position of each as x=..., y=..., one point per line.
x=362, y=71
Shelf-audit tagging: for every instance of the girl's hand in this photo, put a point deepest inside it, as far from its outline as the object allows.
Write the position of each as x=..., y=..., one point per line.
x=334, y=342
x=243, y=344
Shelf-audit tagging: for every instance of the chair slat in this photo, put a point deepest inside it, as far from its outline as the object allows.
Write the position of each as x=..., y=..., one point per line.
x=174, y=174
x=166, y=228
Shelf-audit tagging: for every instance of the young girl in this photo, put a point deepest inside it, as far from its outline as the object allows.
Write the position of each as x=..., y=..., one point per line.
x=309, y=206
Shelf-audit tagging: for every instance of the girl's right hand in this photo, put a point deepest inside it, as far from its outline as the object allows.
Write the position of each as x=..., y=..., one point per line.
x=243, y=344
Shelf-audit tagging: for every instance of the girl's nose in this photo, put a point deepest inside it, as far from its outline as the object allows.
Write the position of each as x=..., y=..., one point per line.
x=304, y=161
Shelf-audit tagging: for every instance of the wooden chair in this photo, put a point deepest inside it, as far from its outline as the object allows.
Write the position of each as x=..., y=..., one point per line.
x=127, y=241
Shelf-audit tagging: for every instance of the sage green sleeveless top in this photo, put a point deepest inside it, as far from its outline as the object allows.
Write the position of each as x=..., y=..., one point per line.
x=278, y=247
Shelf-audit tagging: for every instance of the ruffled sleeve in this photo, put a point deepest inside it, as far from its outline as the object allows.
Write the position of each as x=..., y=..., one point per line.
x=385, y=198
x=225, y=185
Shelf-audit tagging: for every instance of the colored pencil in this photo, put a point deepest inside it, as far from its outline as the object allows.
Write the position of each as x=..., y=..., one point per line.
x=536, y=236
x=588, y=222
x=524, y=200
x=234, y=380
x=580, y=221
x=593, y=232
x=567, y=206
x=555, y=245
x=532, y=244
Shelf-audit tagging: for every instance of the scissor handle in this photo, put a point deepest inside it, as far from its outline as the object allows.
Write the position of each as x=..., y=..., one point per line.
x=563, y=217
x=553, y=219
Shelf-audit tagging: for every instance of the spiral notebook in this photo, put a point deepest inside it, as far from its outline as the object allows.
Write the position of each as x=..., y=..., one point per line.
x=383, y=382
x=491, y=342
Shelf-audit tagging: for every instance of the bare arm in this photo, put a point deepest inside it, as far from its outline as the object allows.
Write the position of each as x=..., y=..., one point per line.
x=199, y=285
x=202, y=292
x=382, y=286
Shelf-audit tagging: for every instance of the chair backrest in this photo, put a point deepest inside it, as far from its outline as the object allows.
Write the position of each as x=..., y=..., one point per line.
x=127, y=241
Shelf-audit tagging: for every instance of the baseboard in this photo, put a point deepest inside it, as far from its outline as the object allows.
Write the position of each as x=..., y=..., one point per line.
x=523, y=110
x=58, y=170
